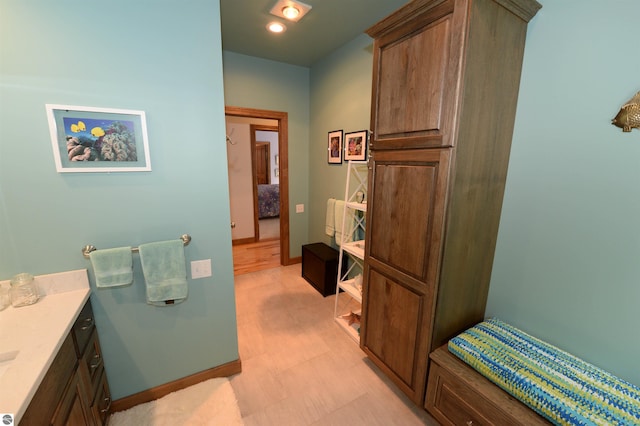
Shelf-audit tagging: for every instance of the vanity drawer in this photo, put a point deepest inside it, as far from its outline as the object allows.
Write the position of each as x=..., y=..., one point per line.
x=459, y=395
x=82, y=328
x=102, y=404
x=92, y=366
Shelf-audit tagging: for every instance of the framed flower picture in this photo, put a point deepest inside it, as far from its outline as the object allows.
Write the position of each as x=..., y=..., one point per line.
x=355, y=145
x=334, y=147
x=89, y=139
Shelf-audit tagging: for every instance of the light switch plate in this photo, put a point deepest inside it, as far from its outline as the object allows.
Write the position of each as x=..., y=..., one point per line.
x=299, y=208
x=200, y=269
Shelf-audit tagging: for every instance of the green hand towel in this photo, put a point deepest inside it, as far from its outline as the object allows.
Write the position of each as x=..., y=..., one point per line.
x=163, y=266
x=112, y=267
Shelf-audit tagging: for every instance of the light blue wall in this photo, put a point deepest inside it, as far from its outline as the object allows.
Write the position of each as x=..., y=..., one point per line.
x=340, y=100
x=160, y=57
x=566, y=266
x=251, y=82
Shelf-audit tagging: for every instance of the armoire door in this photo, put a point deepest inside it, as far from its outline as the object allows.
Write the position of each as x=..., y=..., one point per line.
x=405, y=220
x=415, y=72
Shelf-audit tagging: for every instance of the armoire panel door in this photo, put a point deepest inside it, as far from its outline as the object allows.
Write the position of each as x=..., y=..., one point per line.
x=406, y=192
x=402, y=254
x=393, y=324
x=404, y=105
x=414, y=90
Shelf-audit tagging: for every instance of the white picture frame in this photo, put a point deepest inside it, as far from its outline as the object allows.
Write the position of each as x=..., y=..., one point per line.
x=92, y=139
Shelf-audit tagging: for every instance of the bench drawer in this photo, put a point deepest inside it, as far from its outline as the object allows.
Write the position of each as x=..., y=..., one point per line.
x=459, y=395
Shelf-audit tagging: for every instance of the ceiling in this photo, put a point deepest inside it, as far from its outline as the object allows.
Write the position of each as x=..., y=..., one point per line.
x=329, y=25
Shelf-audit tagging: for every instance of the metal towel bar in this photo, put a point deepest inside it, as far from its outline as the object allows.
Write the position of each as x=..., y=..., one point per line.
x=186, y=239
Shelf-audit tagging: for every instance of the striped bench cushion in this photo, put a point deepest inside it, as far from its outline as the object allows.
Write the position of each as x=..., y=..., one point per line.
x=557, y=385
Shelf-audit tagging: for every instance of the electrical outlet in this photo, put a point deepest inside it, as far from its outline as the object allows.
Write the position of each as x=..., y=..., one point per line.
x=200, y=269
x=299, y=208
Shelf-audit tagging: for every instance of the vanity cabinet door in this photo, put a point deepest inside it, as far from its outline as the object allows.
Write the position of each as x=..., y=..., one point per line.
x=73, y=408
x=45, y=402
x=76, y=380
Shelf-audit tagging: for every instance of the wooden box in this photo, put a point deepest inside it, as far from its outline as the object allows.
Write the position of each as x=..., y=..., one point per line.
x=320, y=267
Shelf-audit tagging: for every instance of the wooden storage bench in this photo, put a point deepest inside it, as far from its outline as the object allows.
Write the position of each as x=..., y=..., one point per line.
x=489, y=373
x=459, y=395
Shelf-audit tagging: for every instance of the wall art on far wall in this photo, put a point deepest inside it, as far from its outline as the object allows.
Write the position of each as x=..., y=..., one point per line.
x=88, y=139
x=355, y=145
x=335, y=147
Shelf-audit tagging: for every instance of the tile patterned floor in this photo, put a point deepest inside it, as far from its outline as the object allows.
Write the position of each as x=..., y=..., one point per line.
x=299, y=368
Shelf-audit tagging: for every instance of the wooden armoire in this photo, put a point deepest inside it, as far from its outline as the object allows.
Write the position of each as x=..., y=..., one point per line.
x=445, y=85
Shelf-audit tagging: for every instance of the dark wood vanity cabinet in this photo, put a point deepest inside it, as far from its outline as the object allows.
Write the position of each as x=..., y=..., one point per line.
x=74, y=391
x=445, y=83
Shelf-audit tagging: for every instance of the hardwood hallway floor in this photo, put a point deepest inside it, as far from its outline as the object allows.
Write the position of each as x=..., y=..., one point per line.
x=299, y=368
x=256, y=256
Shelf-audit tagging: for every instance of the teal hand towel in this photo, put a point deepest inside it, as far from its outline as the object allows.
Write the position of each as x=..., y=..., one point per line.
x=163, y=266
x=112, y=267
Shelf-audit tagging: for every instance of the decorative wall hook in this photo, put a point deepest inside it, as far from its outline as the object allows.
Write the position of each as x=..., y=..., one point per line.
x=629, y=115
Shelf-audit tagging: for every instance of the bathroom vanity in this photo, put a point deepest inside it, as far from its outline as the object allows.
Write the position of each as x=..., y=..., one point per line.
x=51, y=369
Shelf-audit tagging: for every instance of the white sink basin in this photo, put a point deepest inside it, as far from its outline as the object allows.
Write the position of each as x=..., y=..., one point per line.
x=6, y=358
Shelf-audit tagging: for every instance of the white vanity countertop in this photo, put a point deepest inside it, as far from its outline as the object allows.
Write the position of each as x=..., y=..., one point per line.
x=37, y=332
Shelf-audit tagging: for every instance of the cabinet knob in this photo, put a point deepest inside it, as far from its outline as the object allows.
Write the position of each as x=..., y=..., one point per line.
x=88, y=323
x=469, y=423
x=98, y=360
x=108, y=407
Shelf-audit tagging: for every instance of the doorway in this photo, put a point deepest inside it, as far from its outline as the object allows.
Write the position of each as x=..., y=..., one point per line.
x=281, y=118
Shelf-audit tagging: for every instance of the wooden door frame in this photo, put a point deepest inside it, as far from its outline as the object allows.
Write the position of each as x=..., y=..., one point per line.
x=283, y=167
x=253, y=128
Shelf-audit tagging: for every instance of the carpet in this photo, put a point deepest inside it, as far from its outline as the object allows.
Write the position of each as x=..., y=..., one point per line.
x=211, y=402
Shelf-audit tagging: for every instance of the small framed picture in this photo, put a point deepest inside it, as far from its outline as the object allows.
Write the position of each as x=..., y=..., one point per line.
x=334, y=147
x=89, y=139
x=355, y=145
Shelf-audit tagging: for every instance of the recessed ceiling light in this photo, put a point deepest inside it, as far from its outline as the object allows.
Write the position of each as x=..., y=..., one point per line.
x=276, y=27
x=292, y=10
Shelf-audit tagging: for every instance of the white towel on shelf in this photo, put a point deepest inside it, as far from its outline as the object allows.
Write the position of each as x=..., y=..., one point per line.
x=330, y=227
x=348, y=225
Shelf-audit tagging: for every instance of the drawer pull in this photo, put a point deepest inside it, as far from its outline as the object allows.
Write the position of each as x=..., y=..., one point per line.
x=108, y=407
x=96, y=364
x=89, y=324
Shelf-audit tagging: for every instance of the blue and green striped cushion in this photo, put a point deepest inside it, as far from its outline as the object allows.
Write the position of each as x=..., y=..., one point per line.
x=557, y=385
